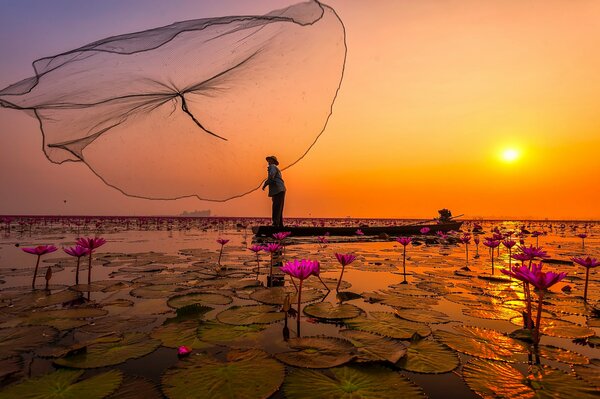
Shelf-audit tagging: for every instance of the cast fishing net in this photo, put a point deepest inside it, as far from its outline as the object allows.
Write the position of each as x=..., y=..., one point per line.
x=193, y=108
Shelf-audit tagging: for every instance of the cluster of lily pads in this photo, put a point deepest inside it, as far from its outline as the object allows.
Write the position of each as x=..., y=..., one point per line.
x=355, y=342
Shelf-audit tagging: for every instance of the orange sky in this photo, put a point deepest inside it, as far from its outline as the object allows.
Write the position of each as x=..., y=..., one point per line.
x=434, y=91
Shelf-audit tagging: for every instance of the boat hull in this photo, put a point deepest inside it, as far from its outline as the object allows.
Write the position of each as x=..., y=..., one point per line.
x=267, y=231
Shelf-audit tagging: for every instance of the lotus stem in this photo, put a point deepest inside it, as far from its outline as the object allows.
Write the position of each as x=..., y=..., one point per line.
x=37, y=263
x=587, y=277
x=299, y=314
x=90, y=269
x=538, y=318
x=404, y=266
x=337, y=289
x=77, y=270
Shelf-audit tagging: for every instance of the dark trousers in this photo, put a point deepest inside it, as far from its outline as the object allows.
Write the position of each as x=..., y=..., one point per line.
x=277, y=216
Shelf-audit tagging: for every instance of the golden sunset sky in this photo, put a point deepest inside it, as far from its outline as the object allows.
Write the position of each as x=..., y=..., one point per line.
x=488, y=108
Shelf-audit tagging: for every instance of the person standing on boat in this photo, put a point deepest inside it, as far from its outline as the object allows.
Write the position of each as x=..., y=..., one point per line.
x=276, y=190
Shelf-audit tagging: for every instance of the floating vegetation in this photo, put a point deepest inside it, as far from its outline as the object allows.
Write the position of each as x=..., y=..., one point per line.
x=130, y=346
x=245, y=374
x=252, y=314
x=428, y=356
x=329, y=311
x=65, y=384
x=367, y=382
x=317, y=352
x=372, y=347
x=388, y=325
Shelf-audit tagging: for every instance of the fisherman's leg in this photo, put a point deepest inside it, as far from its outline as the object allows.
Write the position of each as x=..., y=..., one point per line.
x=274, y=211
x=282, y=201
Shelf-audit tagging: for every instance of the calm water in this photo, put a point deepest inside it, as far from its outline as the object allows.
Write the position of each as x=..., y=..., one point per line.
x=157, y=261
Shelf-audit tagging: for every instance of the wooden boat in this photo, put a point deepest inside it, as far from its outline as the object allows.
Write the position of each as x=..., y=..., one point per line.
x=393, y=231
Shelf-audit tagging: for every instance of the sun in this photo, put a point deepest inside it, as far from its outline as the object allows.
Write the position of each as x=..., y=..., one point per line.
x=510, y=155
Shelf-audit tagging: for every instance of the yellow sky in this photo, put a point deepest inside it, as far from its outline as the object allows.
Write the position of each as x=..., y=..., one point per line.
x=434, y=91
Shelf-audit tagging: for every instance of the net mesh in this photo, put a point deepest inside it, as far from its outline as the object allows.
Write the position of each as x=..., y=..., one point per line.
x=193, y=108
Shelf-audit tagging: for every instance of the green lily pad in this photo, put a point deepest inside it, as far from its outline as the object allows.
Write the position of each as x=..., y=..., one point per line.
x=590, y=373
x=249, y=374
x=372, y=347
x=62, y=319
x=481, y=342
x=396, y=300
x=10, y=366
x=224, y=334
x=137, y=387
x=118, y=324
x=203, y=298
x=491, y=312
x=501, y=380
x=317, y=352
x=41, y=298
x=253, y=314
x=176, y=334
x=350, y=382
x=23, y=339
x=62, y=384
x=131, y=346
x=423, y=316
x=156, y=291
x=329, y=311
x=276, y=295
x=388, y=325
x=562, y=355
x=430, y=357
x=559, y=328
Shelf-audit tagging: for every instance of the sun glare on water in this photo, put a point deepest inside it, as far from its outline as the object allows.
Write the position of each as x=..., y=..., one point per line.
x=510, y=155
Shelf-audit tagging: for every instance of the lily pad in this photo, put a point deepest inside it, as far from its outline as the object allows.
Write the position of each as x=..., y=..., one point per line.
x=481, y=342
x=63, y=384
x=423, y=316
x=62, y=319
x=562, y=355
x=203, y=298
x=223, y=334
x=396, y=300
x=559, y=328
x=372, y=347
x=131, y=346
x=317, y=352
x=276, y=295
x=329, y=311
x=430, y=357
x=249, y=374
x=23, y=339
x=590, y=373
x=349, y=382
x=10, y=366
x=253, y=314
x=137, y=387
x=501, y=380
x=156, y=291
x=491, y=312
x=388, y=325
x=176, y=334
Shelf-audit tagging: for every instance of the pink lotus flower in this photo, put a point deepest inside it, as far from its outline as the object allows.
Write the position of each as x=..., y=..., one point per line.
x=221, y=241
x=509, y=243
x=465, y=239
x=534, y=252
x=344, y=259
x=583, y=236
x=588, y=263
x=90, y=244
x=520, y=256
x=39, y=251
x=184, y=351
x=256, y=248
x=404, y=240
x=491, y=243
x=282, y=235
x=542, y=281
x=77, y=251
x=359, y=232
x=425, y=230
x=322, y=241
x=301, y=269
x=271, y=248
